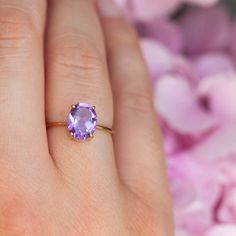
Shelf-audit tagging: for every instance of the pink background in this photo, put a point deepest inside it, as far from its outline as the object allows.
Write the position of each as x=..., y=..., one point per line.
x=192, y=62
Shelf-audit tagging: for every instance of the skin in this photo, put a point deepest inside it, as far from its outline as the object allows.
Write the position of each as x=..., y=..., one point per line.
x=53, y=54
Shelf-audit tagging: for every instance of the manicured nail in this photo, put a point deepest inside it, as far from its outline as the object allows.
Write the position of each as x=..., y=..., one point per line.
x=108, y=8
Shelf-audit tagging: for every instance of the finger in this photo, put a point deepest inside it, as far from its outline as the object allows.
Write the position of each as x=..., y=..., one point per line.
x=76, y=72
x=138, y=146
x=22, y=121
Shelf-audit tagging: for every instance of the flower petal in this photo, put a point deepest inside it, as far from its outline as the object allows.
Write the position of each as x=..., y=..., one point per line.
x=166, y=32
x=212, y=64
x=158, y=58
x=176, y=102
x=221, y=143
x=220, y=91
x=222, y=230
x=203, y=2
x=200, y=31
x=227, y=210
x=148, y=9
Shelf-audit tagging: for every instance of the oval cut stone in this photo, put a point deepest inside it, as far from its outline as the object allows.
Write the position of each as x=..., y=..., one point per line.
x=82, y=121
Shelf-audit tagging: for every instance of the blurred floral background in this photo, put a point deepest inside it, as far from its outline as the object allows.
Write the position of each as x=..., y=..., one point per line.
x=190, y=49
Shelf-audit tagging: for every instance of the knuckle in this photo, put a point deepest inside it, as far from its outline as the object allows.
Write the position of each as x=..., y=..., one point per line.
x=147, y=220
x=17, y=31
x=143, y=219
x=136, y=98
x=16, y=23
x=76, y=55
x=167, y=224
x=124, y=34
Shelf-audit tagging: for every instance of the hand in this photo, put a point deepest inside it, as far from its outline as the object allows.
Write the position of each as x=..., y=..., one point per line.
x=50, y=184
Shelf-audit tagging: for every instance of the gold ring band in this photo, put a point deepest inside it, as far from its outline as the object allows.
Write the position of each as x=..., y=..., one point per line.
x=64, y=124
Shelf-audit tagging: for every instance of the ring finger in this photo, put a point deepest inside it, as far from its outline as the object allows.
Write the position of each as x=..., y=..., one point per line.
x=76, y=72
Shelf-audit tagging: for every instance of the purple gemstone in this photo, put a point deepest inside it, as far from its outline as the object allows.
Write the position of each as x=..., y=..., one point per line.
x=82, y=121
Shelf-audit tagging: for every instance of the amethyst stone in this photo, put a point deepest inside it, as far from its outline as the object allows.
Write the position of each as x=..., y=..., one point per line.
x=82, y=121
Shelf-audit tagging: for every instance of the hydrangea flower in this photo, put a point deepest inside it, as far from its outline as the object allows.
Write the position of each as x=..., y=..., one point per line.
x=147, y=9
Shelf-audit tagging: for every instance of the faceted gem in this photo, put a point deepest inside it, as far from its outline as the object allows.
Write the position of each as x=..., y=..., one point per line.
x=82, y=121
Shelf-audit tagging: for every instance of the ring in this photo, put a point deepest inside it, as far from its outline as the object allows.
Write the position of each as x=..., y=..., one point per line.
x=82, y=122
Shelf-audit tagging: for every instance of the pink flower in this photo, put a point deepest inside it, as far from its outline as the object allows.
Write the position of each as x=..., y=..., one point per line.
x=159, y=59
x=193, y=204
x=200, y=31
x=218, y=144
x=183, y=115
x=148, y=9
x=222, y=230
x=212, y=63
x=220, y=90
x=164, y=31
x=232, y=45
x=227, y=210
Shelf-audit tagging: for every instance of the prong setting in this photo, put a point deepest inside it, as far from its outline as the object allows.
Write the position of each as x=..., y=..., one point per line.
x=82, y=121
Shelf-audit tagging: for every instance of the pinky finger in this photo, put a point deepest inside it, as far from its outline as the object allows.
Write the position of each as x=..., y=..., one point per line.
x=138, y=146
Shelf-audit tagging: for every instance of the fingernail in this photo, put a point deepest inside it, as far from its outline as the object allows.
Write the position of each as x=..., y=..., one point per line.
x=108, y=8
